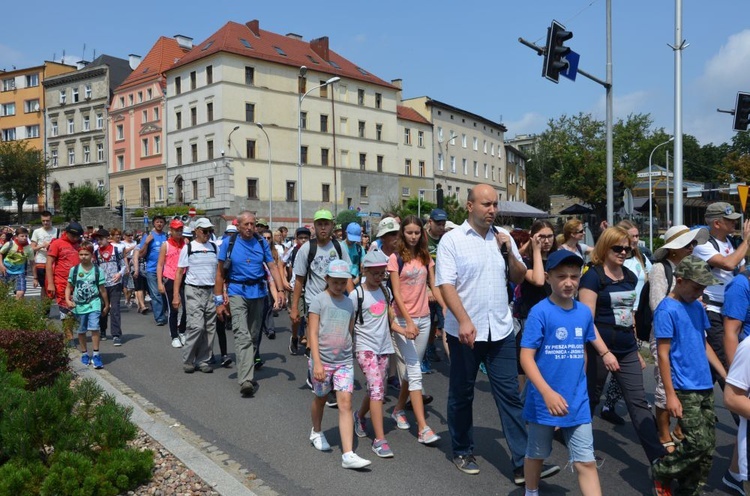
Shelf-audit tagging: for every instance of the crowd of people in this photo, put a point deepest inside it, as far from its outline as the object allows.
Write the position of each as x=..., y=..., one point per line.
x=548, y=319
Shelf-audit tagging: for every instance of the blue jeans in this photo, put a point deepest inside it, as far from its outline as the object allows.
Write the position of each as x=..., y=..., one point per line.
x=500, y=359
x=158, y=300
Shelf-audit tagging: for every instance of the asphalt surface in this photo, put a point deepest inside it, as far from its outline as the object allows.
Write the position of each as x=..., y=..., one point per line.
x=268, y=434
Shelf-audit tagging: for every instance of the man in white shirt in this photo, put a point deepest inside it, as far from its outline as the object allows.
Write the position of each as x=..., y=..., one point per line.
x=472, y=277
x=40, y=240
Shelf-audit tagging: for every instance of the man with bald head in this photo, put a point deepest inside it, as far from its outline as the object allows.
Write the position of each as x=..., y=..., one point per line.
x=471, y=273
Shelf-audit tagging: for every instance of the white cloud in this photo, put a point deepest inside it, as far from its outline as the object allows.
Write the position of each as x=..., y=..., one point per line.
x=9, y=57
x=728, y=68
x=529, y=123
x=623, y=105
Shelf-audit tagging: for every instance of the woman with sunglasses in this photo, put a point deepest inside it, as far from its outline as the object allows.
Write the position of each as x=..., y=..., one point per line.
x=608, y=289
x=572, y=237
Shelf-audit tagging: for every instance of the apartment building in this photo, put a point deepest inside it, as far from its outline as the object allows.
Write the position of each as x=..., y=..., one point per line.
x=219, y=158
x=468, y=149
x=76, y=124
x=137, y=155
x=516, y=165
x=415, y=154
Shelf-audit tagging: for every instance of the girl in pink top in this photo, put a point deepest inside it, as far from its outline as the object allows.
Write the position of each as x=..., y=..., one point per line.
x=166, y=268
x=411, y=269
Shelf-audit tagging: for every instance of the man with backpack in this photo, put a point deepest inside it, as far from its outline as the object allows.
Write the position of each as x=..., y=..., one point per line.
x=110, y=260
x=302, y=236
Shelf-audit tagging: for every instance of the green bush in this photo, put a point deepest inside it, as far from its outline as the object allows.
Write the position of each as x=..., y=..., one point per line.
x=168, y=211
x=78, y=197
x=40, y=356
x=28, y=314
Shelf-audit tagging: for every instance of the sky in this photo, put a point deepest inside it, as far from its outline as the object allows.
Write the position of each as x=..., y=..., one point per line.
x=465, y=53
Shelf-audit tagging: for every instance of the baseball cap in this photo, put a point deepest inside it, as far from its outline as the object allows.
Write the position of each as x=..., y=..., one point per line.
x=102, y=233
x=722, y=209
x=438, y=214
x=203, y=223
x=387, y=225
x=323, y=214
x=231, y=228
x=563, y=257
x=375, y=258
x=74, y=228
x=261, y=222
x=302, y=231
x=339, y=269
x=354, y=232
x=187, y=232
x=176, y=224
x=696, y=270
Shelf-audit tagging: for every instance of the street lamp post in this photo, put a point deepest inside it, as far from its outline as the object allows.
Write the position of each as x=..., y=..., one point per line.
x=229, y=139
x=651, y=197
x=270, y=177
x=302, y=72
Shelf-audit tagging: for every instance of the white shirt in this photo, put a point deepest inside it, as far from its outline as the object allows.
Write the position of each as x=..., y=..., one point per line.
x=201, y=265
x=707, y=251
x=41, y=236
x=739, y=377
x=476, y=268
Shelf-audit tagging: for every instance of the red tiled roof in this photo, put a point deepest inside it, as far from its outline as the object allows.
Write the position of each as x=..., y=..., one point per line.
x=269, y=46
x=161, y=57
x=409, y=114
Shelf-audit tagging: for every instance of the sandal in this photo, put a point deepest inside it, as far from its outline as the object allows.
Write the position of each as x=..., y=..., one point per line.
x=669, y=444
x=677, y=440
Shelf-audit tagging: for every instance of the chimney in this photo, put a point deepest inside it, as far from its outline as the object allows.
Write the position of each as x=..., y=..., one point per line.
x=294, y=36
x=254, y=26
x=398, y=83
x=184, y=41
x=320, y=46
x=135, y=60
x=81, y=64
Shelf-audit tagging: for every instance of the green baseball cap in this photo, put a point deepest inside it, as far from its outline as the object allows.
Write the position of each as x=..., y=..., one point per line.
x=696, y=270
x=323, y=214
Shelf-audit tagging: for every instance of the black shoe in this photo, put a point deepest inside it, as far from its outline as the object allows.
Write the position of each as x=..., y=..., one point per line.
x=271, y=334
x=293, y=344
x=259, y=364
x=331, y=400
x=612, y=417
x=467, y=464
x=547, y=471
x=307, y=352
x=226, y=362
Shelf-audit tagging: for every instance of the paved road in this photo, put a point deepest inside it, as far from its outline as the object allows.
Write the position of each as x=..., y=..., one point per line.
x=268, y=434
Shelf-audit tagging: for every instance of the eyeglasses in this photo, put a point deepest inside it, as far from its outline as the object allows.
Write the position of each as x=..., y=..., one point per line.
x=619, y=249
x=579, y=232
x=546, y=236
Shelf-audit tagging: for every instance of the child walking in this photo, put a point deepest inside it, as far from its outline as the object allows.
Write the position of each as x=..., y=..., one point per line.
x=14, y=257
x=373, y=345
x=331, y=322
x=685, y=362
x=86, y=295
x=553, y=357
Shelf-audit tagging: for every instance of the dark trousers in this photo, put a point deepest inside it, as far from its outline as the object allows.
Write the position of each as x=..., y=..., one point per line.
x=221, y=332
x=174, y=326
x=630, y=379
x=715, y=337
x=113, y=293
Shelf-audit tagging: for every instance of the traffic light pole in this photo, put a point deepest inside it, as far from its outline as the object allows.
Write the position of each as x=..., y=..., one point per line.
x=540, y=51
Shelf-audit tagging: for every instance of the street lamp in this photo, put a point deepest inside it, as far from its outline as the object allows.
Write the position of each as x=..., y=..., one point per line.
x=270, y=177
x=229, y=139
x=651, y=197
x=302, y=72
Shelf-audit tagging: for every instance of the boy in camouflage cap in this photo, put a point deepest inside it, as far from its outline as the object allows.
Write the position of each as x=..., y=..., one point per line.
x=685, y=362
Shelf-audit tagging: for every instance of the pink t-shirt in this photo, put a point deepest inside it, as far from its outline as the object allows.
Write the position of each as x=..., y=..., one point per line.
x=413, y=287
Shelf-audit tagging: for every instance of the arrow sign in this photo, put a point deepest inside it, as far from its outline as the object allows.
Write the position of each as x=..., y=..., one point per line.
x=742, y=190
x=570, y=72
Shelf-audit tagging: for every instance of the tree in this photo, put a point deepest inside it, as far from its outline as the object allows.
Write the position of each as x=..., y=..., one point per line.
x=78, y=197
x=22, y=172
x=346, y=217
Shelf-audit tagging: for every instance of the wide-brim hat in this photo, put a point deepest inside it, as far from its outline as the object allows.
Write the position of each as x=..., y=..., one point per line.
x=679, y=237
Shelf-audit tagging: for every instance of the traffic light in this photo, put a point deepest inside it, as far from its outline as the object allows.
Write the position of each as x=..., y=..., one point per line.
x=557, y=35
x=119, y=209
x=619, y=196
x=742, y=112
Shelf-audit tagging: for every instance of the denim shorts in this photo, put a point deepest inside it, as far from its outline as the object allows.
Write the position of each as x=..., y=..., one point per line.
x=17, y=281
x=436, y=315
x=579, y=439
x=88, y=322
x=338, y=378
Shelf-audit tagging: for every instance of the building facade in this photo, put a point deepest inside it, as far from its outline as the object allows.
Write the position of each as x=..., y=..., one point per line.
x=415, y=156
x=516, y=162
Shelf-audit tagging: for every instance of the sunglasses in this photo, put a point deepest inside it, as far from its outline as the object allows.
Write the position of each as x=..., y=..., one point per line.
x=619, y=249
x=692, y=244
x=579, y=232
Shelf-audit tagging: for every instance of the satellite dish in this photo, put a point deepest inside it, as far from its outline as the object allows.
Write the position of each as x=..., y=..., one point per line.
x=36, y=107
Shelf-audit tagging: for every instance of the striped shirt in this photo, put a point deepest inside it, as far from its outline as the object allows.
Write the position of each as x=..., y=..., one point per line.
x=475, y=267
x=202, y=263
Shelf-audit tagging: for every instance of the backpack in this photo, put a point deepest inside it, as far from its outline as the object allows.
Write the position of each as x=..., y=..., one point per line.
x=96, y=278
x=361, y=298
x=213, y=248
x=228, y=260
x=118, y=258
x=400, y=262
x=644, y=317
x=734, y=241
x=504, y=252
x=313, y=251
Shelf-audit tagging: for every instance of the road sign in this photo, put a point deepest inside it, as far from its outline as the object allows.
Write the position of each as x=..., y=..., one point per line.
x=145, y=220
x=375, y=214
x=742, y=190
x=363, y=214
x=571, y=71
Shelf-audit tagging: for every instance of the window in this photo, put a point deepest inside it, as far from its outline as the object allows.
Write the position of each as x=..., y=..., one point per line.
x=100, y=152
x=159, y=190
x=407, y=167
x=149, y=94
x=193, y=80
x=194, y=152
x=178, y=155
x=360, y=97
x=453, y=164
x=343, y=93
x=144, y=147
x=476, y=144
x=379, y=132
x=86, y=154
x=323, y=89
x=130, y=99
x=120, y=163
x=303, y=120
x=31, y=105
x=476, y=169
x=405, y=191
x=440, y=134
x=407, y=136
x=485, y=146
x=75, y=95
x=210, y=150
x=86, y=123
x=421, y=168
x=440, y=161
x=209, y=75
x=380, y=163
x=193, y=116
x=420, y=139
x=120, y=132
x=87, y=91
x=378, y=100
x=344, y=125
x=210, y=112
x=362, y=161
x=361, y=129
x=492, y=149
x=122, y=101
x=486, y=172
x=144, y=116
x=72, y=127
x=71, y=156
x=211, y=187
x=250, y=148
x=363, y=191
x=463, y=140
x=323, y=123
x=32, y=131
x=291, y=193
x=7, y=109
x=177, y=85
x=53, y=157
x=250, y=112
x=493, y=172
x=157, y=145
x=324, y=156
x=9, y=134
x=195, y=189
x=252, y=189
x=99, y=121
x=325, y=193
x=249, y=76
x=32, y=80
x=9, y=84
x=303, y=154
x=280, y=51
x=178, y=120
x=156, y=113
x=54, y=129
x=465, y=164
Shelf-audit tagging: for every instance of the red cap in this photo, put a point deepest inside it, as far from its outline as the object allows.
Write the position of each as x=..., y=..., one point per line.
x=176, y=224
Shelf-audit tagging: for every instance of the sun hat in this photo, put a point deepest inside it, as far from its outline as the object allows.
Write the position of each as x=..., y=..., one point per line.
x=203, y=223
x=375, y=258
x=323, y=214
x=339, y=269
x=679, y=237
x=386, y=226
x=354, y=232
x=231, y=228
x=187, y=232
x=696, y=270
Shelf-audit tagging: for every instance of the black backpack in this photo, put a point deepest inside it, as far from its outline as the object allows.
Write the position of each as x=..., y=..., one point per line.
x=644, y=317
x=361, y=298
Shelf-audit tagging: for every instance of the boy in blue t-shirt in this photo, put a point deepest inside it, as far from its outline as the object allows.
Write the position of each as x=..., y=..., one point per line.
x=685, y=361
x=554, y=358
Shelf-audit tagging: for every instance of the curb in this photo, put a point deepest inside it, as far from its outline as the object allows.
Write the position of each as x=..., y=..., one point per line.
x=172, y=436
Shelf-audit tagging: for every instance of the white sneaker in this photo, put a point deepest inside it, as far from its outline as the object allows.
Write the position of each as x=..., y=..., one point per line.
x=176, y=343
x=318, y=440
x=352, y=460
x=147, y=299
x=182, y=338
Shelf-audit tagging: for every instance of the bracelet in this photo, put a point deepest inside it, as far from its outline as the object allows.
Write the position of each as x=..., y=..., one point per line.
x=605, y=354
x=218, y=300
